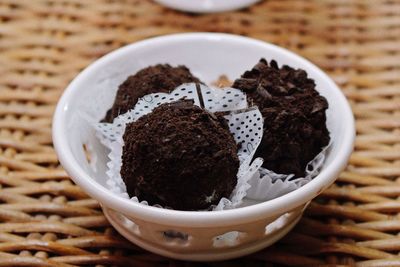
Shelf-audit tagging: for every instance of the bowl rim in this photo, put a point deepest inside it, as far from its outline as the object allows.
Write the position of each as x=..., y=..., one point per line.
x=241, y=215
x=210, y=6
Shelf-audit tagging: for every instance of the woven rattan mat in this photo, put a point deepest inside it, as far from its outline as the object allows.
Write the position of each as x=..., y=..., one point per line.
x=45, y=220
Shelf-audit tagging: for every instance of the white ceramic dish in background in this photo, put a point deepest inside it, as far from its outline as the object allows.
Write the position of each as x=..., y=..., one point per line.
x=206, y=6
x=208, y=55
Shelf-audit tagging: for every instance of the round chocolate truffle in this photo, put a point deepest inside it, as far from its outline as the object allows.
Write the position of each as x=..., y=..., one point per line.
x=161, y=78
x=294, y=116
x=179, y=156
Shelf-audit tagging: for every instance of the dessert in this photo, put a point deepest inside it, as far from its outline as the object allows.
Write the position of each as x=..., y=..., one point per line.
x=294, y=116
x=161, y=78
x=179, y=156
x=183, y=157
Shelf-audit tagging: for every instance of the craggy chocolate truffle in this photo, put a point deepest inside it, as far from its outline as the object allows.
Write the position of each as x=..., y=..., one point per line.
x=294, y=116
x=161, y=78
x=179, y=156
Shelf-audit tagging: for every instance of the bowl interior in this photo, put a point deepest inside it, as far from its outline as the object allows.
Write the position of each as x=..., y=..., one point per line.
x=208, y=56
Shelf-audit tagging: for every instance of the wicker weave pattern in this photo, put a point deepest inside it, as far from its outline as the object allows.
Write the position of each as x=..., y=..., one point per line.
x=45, y=220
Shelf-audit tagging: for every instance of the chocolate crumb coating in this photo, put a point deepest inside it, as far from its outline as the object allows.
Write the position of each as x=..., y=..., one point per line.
x=161, y=78
x=294, y=116
x=179, y=156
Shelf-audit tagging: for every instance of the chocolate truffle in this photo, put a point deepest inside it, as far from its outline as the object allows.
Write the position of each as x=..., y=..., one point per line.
x=294, y=116
x=161, y=78
x=179, y=156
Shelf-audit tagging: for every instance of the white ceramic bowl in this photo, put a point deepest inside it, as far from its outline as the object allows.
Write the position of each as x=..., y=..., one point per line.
x=208, y=55
x=206, y=6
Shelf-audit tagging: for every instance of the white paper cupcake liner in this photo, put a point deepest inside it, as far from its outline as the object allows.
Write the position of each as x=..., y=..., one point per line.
x=266, y=184
x=244, y=123
x=255, y=183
